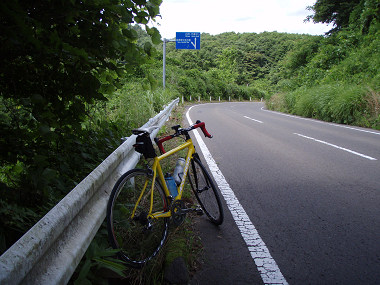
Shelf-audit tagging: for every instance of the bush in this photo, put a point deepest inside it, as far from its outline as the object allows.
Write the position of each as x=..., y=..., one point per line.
x=348, y=104
x=339, y=103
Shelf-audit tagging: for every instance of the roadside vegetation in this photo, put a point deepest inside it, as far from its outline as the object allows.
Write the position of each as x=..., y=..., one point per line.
x=334, y=78
x=100, y=266
x=72, y=85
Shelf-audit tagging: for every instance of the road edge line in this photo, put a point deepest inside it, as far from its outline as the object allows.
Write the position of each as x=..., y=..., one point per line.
x=266, y=265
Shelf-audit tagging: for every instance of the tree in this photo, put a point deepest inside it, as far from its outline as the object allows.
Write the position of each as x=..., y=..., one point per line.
x=56, y=59
x=336, y=12
x=228, y=64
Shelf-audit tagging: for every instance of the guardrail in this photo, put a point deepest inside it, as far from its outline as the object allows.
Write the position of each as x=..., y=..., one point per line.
x=51, y=250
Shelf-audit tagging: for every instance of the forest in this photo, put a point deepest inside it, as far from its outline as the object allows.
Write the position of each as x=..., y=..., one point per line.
x=73, y=84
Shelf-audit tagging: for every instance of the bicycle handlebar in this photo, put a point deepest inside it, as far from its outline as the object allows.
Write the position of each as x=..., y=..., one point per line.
x=202, y=125
x=179, y=131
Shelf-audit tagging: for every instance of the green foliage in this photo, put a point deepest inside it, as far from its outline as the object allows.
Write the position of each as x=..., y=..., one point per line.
x=359, y=65
x=303, y=52
x=59, y=60
x=98, y=263
x=340, y=103
x=353, y=14
x=15, y=220
x=73, y=83
x=336, y=103
x=331, y=11
x=335, y=78
x=228, y=65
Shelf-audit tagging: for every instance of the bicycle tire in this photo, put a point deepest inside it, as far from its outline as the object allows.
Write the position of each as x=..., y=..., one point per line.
x=139, y=239
x=205, y=191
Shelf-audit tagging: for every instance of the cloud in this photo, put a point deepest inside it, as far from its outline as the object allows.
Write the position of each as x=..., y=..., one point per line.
x=240, y=16
x=245, y=19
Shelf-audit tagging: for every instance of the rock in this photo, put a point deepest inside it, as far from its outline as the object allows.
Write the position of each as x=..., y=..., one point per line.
x=176, y=272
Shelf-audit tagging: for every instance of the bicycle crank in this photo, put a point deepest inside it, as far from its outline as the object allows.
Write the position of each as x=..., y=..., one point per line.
x=178, y=212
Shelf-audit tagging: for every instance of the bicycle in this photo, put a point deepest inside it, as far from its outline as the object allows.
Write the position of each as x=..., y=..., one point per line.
x=141, y=204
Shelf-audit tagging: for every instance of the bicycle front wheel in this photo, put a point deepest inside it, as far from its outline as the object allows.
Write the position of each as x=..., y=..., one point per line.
x=205, y=191
x=139, y=238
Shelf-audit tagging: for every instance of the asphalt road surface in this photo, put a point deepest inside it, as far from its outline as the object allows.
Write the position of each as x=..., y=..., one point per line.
x=302, y=199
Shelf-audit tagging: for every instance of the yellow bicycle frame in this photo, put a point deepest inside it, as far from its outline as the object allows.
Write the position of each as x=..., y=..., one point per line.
x=156, y=168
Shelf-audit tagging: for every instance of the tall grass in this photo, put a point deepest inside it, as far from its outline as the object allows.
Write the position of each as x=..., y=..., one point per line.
x=335, y=102
x=130, y=107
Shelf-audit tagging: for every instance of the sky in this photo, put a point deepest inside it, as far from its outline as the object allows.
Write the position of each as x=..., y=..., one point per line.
x=240, y=16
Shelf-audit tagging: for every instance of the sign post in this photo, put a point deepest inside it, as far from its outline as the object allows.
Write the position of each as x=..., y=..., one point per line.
x=182, y=41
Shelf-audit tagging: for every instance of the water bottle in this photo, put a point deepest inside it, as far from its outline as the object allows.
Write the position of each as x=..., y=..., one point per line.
x=178, y=170
x=171, y=185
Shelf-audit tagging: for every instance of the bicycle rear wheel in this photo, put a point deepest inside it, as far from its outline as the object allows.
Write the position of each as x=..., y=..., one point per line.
x=139, y=238
x=205, y=191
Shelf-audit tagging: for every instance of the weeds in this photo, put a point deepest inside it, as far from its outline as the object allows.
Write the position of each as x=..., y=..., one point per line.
x=336, y=102
x=373, y=102
x=183, y=241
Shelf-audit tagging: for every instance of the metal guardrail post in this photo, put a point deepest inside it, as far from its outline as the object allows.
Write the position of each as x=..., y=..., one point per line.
x=51, y=250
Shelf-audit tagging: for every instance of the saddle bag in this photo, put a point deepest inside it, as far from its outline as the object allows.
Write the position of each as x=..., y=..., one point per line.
x=144, y=146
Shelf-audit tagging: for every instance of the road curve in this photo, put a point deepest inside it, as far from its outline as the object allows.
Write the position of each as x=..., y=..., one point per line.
x=310, y=189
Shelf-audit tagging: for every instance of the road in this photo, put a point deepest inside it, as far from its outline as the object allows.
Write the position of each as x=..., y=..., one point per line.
x=311, y=191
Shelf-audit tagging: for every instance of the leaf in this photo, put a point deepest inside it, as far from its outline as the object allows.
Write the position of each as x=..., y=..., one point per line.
x=156, y=2
x=140, y=2
x=155, y=35
x=86, y=155
x=153, y=9
x=116, y=44
x=112, y=265
x=107, y=253
x=49, y=174
x=148, y=48
x=142, y=14
x=43, y=129
x=75, y=51
x=126, y=14
x=41, y=160
x=84, y=281
x=37, y=99
x=145, y=84
x=123, y=43
x=153, y=82
x=141, y=20
x=84, y=271
x=130, y=34
x=128, y=4
x=17, y=168
x=107, y=88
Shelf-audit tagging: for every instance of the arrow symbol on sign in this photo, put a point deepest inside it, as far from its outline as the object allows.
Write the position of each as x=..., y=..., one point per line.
x=195, y=43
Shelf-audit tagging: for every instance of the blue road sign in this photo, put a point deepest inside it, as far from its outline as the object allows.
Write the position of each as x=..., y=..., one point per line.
x=188, y=40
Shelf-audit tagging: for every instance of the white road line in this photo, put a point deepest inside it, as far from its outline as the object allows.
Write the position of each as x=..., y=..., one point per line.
x=266, y=265
x=338, y=147
x=253, y=119
x=321, y=122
